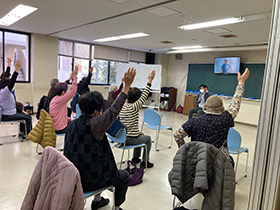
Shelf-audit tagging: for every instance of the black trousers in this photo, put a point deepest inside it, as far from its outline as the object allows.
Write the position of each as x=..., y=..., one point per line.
x=64, y=130
x=121, y=187
x=20, y=116
x=196, y=110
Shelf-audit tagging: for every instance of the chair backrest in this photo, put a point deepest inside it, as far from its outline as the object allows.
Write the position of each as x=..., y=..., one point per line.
x=120, y=138
x=78, y=111
x=233, y=139
x=152, y=117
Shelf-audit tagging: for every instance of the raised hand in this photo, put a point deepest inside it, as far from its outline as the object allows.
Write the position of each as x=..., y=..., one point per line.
x=242, y=78
x=91, y=69
x=128, y=79
x=75, y=72
x=9, y=61
x=151, y=76
x=17, y=65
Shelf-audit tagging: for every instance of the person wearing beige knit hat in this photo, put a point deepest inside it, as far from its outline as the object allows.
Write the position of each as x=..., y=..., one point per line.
x=213, y=127
x=214, y=105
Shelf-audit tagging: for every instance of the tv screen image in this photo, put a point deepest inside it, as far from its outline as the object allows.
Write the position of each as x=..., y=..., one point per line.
x=227, y=65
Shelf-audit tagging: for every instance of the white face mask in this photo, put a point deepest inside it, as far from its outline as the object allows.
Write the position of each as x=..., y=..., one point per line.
x=202, y=90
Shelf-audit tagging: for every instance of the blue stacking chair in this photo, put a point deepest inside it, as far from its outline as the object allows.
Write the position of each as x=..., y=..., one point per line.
x=234, y=147
x=78, y=111
x=88, y=194
x=121, y=138
x=152, y=120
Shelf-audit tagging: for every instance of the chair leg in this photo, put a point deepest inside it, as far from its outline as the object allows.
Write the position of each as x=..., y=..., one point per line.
x=121, y=160
x=157, y=140
x=25, y=129
x=146, y=162
x=37, y=150
x=174, y=201
x=158, y=149
x=245, y=175
x=246, y=163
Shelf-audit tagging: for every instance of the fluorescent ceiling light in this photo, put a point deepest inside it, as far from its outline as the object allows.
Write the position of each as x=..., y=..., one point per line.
x=16, y=14
x=127, y=36
x=211, y=23
x=240, y=48
x=187, y=47
x=108, y=39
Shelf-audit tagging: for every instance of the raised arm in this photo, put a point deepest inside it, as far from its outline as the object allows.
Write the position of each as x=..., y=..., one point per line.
x=87, y=81
x=7, y=72
x=234, y=106
x=65, y=98
x=117, y=92
x=70, y=78
x=14, y=76
x=101, y=123
x=138, y=104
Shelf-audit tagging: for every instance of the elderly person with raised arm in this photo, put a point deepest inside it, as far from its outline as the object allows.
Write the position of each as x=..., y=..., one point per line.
x=8, y=103
x=87, y=146
x=129, y=116
x=58, y=105
x=213, y=127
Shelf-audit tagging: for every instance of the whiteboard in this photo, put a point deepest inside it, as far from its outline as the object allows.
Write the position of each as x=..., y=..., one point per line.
x=141, y=78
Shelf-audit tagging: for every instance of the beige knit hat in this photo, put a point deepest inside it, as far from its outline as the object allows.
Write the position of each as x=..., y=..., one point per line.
x=214, y=105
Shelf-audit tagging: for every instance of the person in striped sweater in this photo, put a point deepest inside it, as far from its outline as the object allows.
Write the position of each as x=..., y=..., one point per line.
x=129, y=116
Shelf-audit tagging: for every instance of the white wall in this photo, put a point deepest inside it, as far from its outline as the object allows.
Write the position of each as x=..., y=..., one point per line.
x=178, y=70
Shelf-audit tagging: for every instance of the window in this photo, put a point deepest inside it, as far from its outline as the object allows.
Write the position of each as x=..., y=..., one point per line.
x=16, y=46
x=72, y=53
x=113, y=72
x=83, y=68
x=64, y=67
x=100, y=72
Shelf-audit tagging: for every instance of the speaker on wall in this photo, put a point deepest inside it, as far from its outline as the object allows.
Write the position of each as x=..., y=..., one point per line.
x=150, y=58
x=178, y=56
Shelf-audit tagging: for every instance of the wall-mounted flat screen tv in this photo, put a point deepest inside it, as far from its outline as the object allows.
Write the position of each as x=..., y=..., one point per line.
x=227, y=65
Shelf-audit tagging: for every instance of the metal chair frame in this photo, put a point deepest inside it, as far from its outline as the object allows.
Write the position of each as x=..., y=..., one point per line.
x=60, y=150
x=121, y=138
x=88, y=194
x=238, y=152
x=157, y=126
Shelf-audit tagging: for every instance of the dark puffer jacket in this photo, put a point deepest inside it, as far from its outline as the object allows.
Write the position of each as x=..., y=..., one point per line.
x=201, y=167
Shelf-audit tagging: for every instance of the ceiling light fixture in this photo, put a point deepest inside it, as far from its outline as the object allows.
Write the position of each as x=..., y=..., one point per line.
x=211, y=23
x=187, y=47
x=19, y=12
x=127, y=36
x=109, y=39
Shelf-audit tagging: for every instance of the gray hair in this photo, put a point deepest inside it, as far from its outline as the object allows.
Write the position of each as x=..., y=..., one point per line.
x=113, y=87
x=53, y=82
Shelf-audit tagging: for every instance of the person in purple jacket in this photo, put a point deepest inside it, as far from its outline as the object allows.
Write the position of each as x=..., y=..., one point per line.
x=7, y=102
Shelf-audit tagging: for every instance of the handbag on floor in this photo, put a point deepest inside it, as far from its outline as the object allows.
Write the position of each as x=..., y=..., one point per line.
x=135, y=174
x=28, y=108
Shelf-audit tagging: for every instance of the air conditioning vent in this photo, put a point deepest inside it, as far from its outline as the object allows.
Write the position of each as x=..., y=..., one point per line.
x=228, y=36
x=166, y=42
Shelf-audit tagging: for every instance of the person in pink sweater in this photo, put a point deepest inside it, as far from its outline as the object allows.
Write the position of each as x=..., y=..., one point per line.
x=58, y=105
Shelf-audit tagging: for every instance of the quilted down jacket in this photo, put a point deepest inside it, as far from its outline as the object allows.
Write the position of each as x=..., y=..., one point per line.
x=55, y=184
x=43, y=133
x=201, y=167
